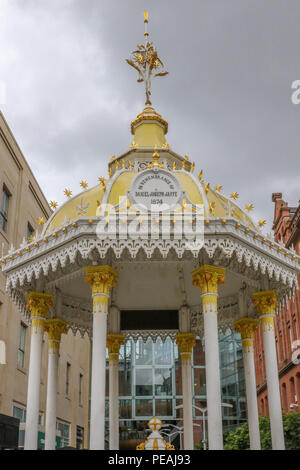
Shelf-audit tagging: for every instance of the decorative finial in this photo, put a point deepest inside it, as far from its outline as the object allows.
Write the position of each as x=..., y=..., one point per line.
x=102, y=182
x=212, y=206
x=84, y=184
x=53, y=204
x=41, y=221
x=146, y=61
x=156, y=158
x=200, y=175
x=234, y=195
x=68, y=192
x=218, y=188
x=249, y=207
x=262, y=222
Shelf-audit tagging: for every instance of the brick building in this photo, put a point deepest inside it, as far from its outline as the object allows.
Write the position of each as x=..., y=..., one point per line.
x=286, y=227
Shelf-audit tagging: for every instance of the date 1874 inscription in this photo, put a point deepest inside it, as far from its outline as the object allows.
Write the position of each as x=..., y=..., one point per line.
x=156, y=190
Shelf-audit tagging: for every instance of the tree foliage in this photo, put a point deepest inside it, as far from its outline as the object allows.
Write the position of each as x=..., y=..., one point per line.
x=239, y=438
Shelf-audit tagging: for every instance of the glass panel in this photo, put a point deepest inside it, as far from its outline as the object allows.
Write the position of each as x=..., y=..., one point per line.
x=22, y=337
x=143, y=382
x=125, y=407
x=163, y=352
x=143, y=408
x=163, y=407
x=125, y=369
x=230, y=412
x=125, y=382
x=4, y=209
x=179, y=411
x=143, y=351
x=21, y=438
x=20, y=358
x=199, y=381
x=132, y=433
x=18, y=413
x=178, y=379
x=163, y=381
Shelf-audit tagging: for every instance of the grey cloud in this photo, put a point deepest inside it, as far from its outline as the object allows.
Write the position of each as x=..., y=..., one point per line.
x=71, y=96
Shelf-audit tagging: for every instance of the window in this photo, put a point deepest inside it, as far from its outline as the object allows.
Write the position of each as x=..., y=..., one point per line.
x=19, y=412
x=80, y=388
x=64, y=432
x=30, y=232
x=290, y=335
x=21, y=350
x=68, y=379
x=4, y=209
x=79, y=437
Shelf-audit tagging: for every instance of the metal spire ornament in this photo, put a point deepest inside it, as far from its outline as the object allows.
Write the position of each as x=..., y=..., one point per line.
x=146, y=61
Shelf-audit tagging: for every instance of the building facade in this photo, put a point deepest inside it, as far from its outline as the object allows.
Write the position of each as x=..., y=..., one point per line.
x=22, y=203
x=286, y=227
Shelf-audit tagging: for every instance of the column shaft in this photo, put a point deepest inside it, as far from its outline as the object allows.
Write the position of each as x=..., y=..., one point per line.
x=38, y=304
x=102, y=279
x=246, y=327
x=33, y=393
x=113, y=404
x=213, y=381
x=55, y=328
x=274, y=400
x=114, y=342
x=187, y=404
x=97, y=423
x=266, y=302
x=253, y=422
x=50, y=429
x=186, y=342
x=208, y=279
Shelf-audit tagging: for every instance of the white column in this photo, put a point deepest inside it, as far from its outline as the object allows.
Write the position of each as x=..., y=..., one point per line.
x=113, y=405
x=114, y=342
x=186, y=342
x=246, y=327
x=208, y=278
x=213, y=382
x=266, y=302
x=38, y=304
x=55, y=329
x=102, y=278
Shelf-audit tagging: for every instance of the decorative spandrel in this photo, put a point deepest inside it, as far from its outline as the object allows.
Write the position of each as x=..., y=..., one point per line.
x=146, y=61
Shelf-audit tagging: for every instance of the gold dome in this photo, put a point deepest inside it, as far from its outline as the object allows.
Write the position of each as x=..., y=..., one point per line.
x=149, y=130
x=86, y=204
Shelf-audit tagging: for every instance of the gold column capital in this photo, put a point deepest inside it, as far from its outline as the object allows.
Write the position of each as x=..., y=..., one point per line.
x=55, y=327
x=102, y=278
x=38, y=303
x=265, y=302
x=185, y=342
x=208, y=278
x=246, y=327
x=113, y=343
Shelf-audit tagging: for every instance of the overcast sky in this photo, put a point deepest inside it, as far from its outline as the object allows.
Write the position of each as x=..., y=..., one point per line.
x=70, y=96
